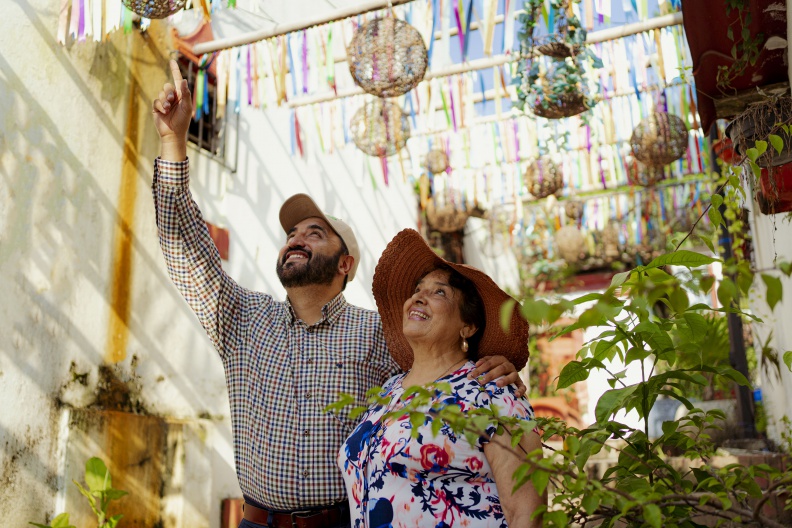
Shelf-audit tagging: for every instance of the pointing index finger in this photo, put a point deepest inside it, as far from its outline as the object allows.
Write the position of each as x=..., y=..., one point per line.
x=176, y=72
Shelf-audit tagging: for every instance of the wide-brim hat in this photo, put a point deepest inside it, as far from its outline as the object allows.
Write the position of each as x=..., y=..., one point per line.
x=301, y=206
x=406, y=259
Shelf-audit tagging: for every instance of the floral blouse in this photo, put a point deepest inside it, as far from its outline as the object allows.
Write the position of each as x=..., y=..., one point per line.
x=395, y=480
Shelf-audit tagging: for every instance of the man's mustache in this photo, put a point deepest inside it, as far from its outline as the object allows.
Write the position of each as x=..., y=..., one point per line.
x=295, y=249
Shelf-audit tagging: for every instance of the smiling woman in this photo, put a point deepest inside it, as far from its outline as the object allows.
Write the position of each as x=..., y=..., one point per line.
x=437, y=317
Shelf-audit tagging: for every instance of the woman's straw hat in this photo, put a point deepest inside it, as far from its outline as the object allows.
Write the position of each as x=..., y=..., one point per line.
x=405, y=260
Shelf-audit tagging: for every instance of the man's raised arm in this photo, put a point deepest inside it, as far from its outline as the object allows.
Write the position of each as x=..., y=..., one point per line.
x=192, y=258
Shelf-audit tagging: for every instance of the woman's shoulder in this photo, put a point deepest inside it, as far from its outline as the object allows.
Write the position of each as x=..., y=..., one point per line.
x=488, y=394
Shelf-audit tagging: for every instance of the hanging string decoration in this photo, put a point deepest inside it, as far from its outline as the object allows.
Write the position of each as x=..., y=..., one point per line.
x=659, y=139
x=571, y=244
x=447, y=217
x=387, y=57
x=436, y=161
x=543, y=178
x=380, y=128
x=154, y=8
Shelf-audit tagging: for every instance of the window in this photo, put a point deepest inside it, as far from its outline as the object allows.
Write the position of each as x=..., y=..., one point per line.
x=208, y=133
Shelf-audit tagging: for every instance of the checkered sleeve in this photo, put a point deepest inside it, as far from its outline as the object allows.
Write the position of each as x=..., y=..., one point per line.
x=192, y=259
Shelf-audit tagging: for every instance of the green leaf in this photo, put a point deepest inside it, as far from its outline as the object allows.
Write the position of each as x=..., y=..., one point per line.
x=611, y=401
x=756, y=169
x=717, y=200
x=506, y=312
x=707, y=242
x=573, y=372
x=112, y=522
x=752, y=154
x=706, y=283
x=40, y=525
x=698, y=325
x=777, y=142
x=96, y=474
x=774, y=290
x=669, y=427
x=786, y=268
x=788, y=359
x=727, y=372
x=533, y=311
x=761, y=147
x=620, y=278
x=586, y=298
x=61, y=521
x=540, y=479
x=726, y=292
x=590, y=503
x=652, y=515
x=715, y=217
x=689, y=259
x=114, y=494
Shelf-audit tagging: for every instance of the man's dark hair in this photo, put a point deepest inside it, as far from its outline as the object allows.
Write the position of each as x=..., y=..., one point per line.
x=471, y=307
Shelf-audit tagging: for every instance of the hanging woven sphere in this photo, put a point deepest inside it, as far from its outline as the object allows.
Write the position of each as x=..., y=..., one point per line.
x=571, y=244
x=436, y=161
x=446, y=218
x=154, y=8
x=610, y=242
x=543, y=178
x=642, y=175
x=380, y=128
x=387, y=57
x=659, y=139
x=573, y=209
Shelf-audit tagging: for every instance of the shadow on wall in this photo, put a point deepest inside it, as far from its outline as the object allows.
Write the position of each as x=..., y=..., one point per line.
x=59, y=220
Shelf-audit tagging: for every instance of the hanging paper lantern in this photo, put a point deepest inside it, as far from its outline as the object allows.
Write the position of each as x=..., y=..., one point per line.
x=571, y=244
x=436, y=161
x=642, y=175
x=154, y=8
x=543, y=178
x=387, y=57
x=380, y=128
x=447, y=218
x=573, y=209
x=659, y=139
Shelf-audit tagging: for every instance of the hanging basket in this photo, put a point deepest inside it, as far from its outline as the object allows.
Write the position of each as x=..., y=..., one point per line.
x=659, y=139
x=436, y=161
x=565, y=105
x=543, y=178
x=446, y=218
x=757, y=122
x=642, y=175
x=380, y=128
x=573, y=209
x=555, y=46
x=154, y=8
x=387, y=57
x=571, y=244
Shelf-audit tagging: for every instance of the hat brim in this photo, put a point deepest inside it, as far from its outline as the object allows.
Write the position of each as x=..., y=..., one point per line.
x=405, y=260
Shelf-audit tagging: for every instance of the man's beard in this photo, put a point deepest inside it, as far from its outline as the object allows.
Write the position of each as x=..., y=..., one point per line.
x=318, y=270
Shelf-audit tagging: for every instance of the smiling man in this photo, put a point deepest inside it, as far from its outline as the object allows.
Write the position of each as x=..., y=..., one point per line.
x=284, y=361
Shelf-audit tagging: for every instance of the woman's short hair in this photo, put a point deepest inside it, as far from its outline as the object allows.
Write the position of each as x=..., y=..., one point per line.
x=471, y=307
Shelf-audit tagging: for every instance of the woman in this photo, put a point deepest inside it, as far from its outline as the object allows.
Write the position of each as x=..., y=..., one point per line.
x=438, y=318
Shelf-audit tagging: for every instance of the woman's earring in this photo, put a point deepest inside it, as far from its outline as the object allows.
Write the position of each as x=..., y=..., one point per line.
x=464, y=345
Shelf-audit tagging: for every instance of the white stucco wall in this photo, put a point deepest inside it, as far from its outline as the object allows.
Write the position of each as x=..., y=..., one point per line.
x=66, y=115
x=771, y=244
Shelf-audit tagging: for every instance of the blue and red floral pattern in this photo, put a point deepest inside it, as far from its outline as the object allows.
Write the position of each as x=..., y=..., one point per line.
x=394, y=480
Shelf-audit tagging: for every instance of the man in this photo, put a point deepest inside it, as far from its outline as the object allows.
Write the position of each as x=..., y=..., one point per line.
x=284, y=361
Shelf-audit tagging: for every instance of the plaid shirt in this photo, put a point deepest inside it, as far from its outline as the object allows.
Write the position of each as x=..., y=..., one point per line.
x=280, y=372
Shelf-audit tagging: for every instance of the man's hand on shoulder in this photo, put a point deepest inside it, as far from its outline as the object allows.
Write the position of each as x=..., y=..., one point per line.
x=498, y=368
